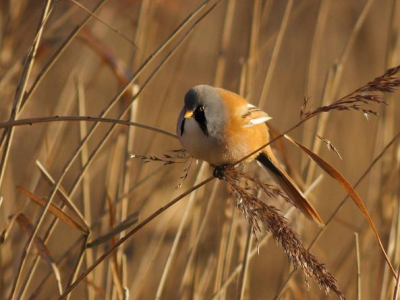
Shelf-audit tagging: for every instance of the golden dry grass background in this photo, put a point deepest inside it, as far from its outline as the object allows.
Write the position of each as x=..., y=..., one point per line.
x=282, y=50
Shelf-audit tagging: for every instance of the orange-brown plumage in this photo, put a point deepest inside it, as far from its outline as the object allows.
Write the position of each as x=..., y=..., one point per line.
x=223, y=128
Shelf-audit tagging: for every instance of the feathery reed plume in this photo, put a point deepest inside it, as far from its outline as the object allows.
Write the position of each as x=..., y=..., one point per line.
x=365, y=95
x=260, y=214
x=329, y=145
x=178, y=156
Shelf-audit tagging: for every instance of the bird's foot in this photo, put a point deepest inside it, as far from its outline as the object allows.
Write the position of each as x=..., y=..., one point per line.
x=219, y=171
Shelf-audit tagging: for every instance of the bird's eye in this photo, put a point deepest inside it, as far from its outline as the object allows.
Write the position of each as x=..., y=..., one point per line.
x=201, y=108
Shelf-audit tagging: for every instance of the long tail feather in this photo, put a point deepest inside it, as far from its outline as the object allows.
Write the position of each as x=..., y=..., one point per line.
x=268, y=160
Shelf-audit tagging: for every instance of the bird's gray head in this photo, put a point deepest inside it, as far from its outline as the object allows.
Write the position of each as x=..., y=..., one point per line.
x=204, y=103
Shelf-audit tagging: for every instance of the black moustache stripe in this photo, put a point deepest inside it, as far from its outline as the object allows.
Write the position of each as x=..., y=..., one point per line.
x=200, y=118
x=183, y=126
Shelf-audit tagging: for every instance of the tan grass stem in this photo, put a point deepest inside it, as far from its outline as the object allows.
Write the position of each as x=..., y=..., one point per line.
x=173, y=251
x=131, y=233
x=358, y=260
x=22, y=85
x=104, y=112
x=275, y=53
x=338, y=208
x=245, y=266
x=85, y=9
x=50, y=119
x=86, y=200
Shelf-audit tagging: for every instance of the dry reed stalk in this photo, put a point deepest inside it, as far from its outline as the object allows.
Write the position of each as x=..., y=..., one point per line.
x=310, y=79
x=259, y=214
x=113, y=180
x=387, y=127
x=139, y=183
x=334, y=84
x=194, y=65
x=245, y=269
x=310, y=83
x=371, y=93
x=132, y=79
x=221, y=258
x=316, y=47
x=178, y=235
x=252, y=56
x=124, y=275
x=275, y=53
x=268, y=7
x=147, y=261
x=365, y=239
x=321, y=123
x=358, y=266
x=339, y=207
x=55, y=220
x=21, y=88
x=386, y=285
x=85, y=9
x=115, y=231
x=146, y=14
x=233, y=235
x=131, y=233
x=78, y=262
x=51, y=119
x=86, y=200
x=186, y=277
x=54, y=135
x=126, y=182
x=181, y=64
x=205, y=281
x=105, y=111
x=66, y=200
x=225, y=41
x=56, y=56
x=113, y=102
x=114, y=285
x=44, y=253
x=96, y=289
x=51, y=228
x=396, y=290
x=49, y=232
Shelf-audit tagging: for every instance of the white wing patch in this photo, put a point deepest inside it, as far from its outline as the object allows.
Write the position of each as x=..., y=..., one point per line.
x=255, y=116
x=253, y=122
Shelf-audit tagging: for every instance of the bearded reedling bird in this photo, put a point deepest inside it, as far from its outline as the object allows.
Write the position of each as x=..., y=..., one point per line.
x=220, y=127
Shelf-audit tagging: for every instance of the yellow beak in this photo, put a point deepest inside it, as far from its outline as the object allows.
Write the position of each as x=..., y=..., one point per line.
x=188, y=114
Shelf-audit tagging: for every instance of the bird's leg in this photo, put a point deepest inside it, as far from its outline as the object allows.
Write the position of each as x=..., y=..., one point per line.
x=219, y=171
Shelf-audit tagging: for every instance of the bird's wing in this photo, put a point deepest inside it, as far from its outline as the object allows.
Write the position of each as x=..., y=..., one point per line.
x=254, y=116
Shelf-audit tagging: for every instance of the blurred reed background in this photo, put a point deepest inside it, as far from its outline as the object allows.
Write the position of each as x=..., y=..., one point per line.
x=134, y=60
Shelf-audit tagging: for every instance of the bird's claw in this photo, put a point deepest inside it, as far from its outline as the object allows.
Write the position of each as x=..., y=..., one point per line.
x=219, y=171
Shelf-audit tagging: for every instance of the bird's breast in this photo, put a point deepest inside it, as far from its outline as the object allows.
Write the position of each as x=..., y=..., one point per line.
x=209, y=148
x=224, y=147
